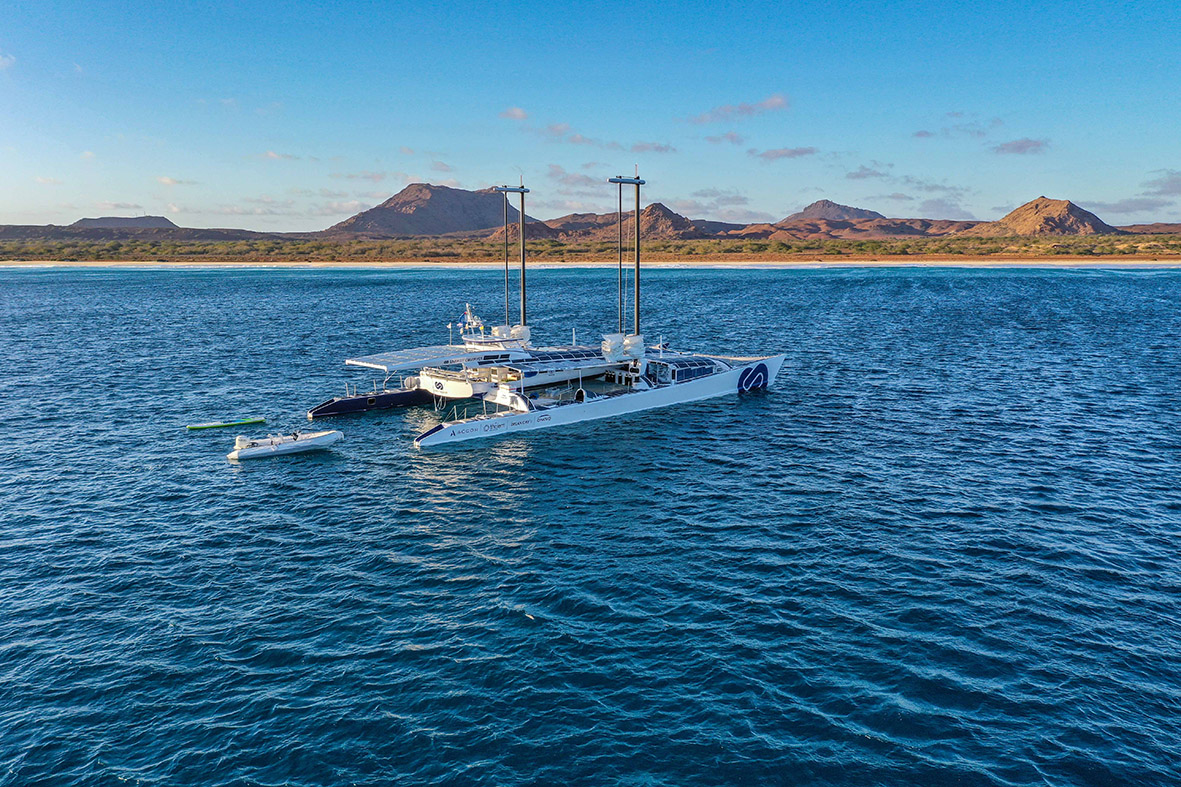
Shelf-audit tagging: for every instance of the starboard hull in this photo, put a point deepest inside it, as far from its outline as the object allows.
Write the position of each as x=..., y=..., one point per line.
x=758, y=374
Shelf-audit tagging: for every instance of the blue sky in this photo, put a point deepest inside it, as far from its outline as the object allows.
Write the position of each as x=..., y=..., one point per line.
x=292, y=116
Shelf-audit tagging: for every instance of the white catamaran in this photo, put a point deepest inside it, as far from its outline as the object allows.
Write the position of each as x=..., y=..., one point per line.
x=543, y=387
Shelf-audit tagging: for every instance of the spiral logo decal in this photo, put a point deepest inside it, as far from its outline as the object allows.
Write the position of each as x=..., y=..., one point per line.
x=753, y=377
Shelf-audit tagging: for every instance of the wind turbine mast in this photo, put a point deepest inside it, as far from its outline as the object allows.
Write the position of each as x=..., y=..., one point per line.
x=506, y=190
x=637, y=183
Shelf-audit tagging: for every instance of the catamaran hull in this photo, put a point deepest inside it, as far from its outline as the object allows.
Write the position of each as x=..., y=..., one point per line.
x=383, y=400
x=759, y=374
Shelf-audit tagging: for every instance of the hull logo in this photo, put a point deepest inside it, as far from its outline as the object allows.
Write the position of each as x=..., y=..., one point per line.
x=753, y=377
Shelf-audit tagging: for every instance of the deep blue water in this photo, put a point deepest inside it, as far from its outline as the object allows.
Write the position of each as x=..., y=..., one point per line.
x=944, y=550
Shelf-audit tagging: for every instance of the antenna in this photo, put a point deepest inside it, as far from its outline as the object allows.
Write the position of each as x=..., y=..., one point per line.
x=637, y=183
x=506, y=190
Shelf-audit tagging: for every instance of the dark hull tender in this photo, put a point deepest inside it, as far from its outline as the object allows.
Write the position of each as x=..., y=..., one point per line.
x=380, y=400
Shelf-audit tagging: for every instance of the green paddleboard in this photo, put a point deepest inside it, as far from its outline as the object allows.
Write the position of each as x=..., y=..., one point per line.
x=243, y=422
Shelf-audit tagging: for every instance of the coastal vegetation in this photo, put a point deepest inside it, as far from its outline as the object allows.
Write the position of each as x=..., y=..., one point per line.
x=429, y=249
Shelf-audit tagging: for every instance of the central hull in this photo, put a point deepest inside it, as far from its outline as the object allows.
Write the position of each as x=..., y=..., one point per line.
x=759, y=374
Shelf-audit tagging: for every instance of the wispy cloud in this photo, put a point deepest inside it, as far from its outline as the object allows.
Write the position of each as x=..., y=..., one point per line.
x=974, y=127
x=271, y=155
x=570, y=180
x=652, y=147
x=405, y=151
x=780, y=153
x=439, y=166
x=864, y=173
x=932, y=187
x=772, y=103
x=1023, y=146
x=897, y=196
x=167, y=181
x=1169, y=183
x=719, y=205
x=729, y=136
x=87, y=154
x=338, y=208
x=515, y=113
x=6, y=61
x=376, y=177
x=563, y=132
x=47, y=181
x=945, y=209
x=118, y=206
x=1130, y=205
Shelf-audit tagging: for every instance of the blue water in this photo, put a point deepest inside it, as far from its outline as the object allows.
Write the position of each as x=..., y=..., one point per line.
x=944, y=550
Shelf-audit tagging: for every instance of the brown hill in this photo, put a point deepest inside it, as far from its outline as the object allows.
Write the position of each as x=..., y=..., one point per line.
x=1158, y=228
x=861, y=229
x=125, y=223
x=1044, y=216
x=425, y=209
x=657, y=222
x=827, y=209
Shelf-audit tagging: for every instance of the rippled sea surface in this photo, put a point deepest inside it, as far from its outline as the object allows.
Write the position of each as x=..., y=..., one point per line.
x=943, y=550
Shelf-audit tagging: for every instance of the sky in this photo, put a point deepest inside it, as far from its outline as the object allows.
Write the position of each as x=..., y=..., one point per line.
x=296, y=115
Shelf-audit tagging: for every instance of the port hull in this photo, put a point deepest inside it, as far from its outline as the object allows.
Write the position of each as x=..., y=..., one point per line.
x=754, y=375
x=381, y=400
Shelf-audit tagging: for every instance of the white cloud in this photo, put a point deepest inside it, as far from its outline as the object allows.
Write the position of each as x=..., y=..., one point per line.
x=167, y=181
x=87, y=154
x=1131, y=205
x=6, y=61
x=273, y=156
x=47, y=181
x=339, y=208
x=1169, y=183
x=1023, y=146
x=772, y=103
x=439, y=166
x=729, y=136
x=652, y=147
x=779, y=153
x=514, y=113
x=944, y=209
x=118, y=206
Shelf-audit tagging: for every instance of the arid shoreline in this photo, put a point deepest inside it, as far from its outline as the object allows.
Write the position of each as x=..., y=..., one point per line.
x=721, y=263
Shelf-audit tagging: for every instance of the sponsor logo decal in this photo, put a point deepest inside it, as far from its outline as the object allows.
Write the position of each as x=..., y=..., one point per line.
x=753, y=377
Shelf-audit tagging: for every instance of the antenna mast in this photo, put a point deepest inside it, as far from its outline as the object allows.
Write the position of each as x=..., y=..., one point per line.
x=506, y=190
x=637, y=183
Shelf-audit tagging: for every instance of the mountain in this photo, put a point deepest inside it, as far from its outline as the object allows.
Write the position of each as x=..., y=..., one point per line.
x=425, y=209
x=857, y=229
x=827, y=209
x=657, y=222
x=125, y=223
x=1044, y=216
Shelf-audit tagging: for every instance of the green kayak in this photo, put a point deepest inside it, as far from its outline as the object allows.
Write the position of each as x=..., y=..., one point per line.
x=242, y=422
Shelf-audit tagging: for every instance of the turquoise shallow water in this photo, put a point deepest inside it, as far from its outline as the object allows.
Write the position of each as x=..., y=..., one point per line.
x=942, y=551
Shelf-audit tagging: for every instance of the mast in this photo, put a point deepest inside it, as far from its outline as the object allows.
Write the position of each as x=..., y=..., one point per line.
x=506, y=316
x=637, y=183
x=619, y=219
x=506, y=190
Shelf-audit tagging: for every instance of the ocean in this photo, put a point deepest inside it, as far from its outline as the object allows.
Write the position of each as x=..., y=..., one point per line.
x=941, y=550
